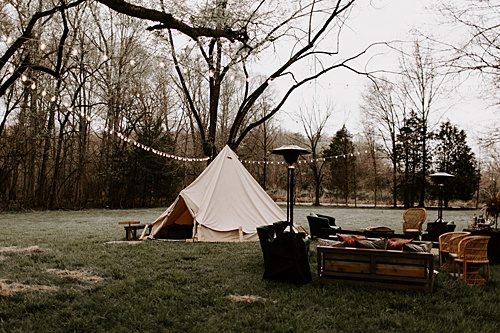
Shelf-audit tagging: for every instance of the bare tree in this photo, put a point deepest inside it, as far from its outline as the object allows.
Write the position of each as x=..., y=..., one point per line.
x=371, y=143
x=313, y=122
x=267, y=28
x=383, y=106
x=479, y=50
x=421, y=86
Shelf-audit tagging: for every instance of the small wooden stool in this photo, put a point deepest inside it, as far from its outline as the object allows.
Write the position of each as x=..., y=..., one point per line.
x=130, y=231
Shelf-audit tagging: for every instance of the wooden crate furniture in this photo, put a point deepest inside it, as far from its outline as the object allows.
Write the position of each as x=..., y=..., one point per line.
x=131, y=228
x=392, y=269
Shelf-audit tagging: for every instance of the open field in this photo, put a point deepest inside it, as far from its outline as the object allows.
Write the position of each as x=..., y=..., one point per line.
x=58, y=273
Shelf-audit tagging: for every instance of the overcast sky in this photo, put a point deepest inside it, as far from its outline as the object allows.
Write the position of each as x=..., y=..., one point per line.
x=389, y=20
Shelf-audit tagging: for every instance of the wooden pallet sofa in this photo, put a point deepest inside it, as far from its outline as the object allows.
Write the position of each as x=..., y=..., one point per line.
x=394, y=269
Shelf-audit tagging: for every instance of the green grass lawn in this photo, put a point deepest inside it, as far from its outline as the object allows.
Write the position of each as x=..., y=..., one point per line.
x=159, y=286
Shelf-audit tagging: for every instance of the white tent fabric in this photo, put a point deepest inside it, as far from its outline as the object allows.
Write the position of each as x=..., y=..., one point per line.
x=225, y=203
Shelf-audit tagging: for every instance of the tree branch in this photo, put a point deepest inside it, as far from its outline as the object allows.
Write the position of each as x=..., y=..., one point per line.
x=167, y=21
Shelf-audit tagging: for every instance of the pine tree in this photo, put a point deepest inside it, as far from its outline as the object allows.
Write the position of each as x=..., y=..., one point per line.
x=342, y=164
x=453, y=155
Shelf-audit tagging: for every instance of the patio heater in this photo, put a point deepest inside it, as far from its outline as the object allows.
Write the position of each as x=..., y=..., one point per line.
x=291, y=154
x=440, y=178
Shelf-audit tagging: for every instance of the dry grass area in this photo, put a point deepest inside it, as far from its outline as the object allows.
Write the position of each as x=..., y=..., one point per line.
x=15, y=249
x=78, y=275
x=246, y=298
x=8, y=288
x=124, y=242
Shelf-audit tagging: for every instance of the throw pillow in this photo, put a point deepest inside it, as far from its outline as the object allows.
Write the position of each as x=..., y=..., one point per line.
x=427, y=246
x=380, y=244
x=397, y=243
x=364, y=244
x=413, y=248
x=350, y=240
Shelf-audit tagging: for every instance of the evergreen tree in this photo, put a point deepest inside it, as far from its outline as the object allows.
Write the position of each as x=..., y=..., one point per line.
x=342, y=164
x=410, y=160
x=453, y=155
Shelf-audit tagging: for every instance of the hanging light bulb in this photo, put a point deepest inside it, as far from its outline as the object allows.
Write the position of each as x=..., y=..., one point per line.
x=43, y=46
x=33, y=86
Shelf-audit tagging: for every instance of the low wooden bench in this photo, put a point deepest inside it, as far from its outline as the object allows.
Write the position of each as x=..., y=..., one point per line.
x=131, y=228
x=383, y=268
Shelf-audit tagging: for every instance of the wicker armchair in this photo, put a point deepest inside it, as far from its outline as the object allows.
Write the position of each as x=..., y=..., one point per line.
x=472, y=256
x=453, y=251
x=413, y=219
x=444, y=247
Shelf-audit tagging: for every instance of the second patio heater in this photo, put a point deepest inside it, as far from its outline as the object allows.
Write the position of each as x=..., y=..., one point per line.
x=291, y=154
x=440, y=178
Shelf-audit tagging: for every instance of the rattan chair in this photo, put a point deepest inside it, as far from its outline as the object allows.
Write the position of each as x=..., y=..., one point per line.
x=453, y=251
x=444, y=247
x=472, y=256
x=413, y=219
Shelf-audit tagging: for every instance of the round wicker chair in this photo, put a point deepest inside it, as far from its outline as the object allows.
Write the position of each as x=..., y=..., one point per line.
x=413, y=219
x=472, y=256
x=444, y=246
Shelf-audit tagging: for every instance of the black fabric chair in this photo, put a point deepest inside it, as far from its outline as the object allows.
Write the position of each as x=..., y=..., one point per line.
x=285, y=255
x=322, y=226
x=436, y=229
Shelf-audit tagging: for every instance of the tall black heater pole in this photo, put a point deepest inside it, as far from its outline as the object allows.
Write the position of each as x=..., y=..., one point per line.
x=291, y=155
x=291, y=190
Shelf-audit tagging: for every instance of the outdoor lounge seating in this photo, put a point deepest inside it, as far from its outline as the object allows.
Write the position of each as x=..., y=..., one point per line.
x=285, y=255
x=444, y=247
x=493, y=244
x=471, y=257
x=394, y=269
x=436, y=229
x=453, y=251
x=322, y=226
x=413, y=219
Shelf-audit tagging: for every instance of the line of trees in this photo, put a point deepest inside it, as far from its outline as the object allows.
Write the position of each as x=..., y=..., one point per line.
x=73, y=74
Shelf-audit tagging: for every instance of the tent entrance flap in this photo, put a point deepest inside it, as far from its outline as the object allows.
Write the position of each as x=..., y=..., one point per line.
x=179, y=223
x=180, y=214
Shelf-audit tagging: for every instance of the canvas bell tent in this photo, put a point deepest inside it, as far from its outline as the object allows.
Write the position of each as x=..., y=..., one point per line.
x=224, y=204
